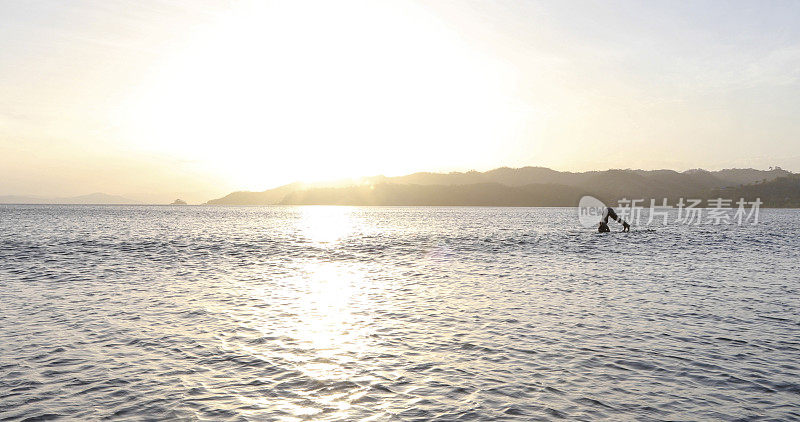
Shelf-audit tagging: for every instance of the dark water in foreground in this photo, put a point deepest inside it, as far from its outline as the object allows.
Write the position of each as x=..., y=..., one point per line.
x=334, y=313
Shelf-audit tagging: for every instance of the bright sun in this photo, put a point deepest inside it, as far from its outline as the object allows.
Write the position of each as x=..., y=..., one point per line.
x=283, y=91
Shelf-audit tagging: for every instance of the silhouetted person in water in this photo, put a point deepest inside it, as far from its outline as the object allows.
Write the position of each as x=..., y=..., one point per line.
x=609, y=212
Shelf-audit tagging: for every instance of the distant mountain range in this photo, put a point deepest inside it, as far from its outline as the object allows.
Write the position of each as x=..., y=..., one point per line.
x=94, y=199
x=529, y=186
x=782, y=192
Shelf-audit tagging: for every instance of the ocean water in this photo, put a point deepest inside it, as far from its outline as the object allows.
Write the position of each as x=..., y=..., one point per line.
x=397, y=313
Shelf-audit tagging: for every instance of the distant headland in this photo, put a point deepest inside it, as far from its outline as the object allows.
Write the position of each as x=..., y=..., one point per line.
x=533, y=186
x=516, y=187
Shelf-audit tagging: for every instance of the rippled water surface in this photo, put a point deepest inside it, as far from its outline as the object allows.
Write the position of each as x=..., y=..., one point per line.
x=336, y=313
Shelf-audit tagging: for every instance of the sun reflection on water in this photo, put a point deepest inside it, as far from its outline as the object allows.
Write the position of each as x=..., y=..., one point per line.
x=315, y=317
x=326, y=225
x=327, y=307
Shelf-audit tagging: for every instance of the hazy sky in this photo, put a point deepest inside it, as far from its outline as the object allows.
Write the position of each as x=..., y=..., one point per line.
x=156, y=100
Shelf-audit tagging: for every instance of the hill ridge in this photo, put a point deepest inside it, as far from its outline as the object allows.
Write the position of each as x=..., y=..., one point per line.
x=530, y=184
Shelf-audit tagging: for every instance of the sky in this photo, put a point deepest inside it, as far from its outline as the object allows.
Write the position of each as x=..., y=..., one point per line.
x=156, y=100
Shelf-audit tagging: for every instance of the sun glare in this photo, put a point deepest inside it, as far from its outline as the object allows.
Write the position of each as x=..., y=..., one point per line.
x=359, y=88
x=325, y=226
